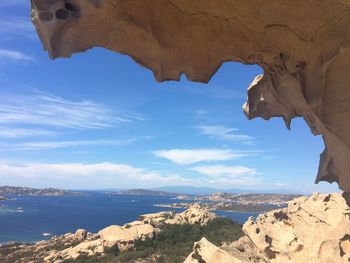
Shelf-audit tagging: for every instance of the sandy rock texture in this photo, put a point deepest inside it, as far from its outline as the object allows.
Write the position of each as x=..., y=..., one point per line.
x=302, y=46
x=313, y=229
x=204, y=251
x=195, y=214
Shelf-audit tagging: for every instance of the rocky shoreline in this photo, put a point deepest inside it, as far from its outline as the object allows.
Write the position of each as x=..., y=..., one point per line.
x=71, y=246
x=311, y=229
x=230, y=207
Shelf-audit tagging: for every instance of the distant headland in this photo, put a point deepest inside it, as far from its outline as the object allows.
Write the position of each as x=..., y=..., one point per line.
x=14, y=190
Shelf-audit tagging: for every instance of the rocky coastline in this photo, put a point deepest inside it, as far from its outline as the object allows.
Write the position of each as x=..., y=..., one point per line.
x=311, y=229
x=72, y=245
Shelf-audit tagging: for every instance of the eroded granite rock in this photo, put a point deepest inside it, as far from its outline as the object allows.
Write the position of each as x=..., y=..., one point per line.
x=302, y=46
x=313, y=229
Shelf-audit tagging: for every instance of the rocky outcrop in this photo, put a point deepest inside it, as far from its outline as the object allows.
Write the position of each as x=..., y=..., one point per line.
x=113, y=236
x=195, y=214
x=303, y=48
x=204, y=251
x=313, y=229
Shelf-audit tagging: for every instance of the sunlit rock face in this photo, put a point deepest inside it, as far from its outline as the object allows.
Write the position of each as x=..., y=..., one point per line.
x=313, y=229
x=302, y=47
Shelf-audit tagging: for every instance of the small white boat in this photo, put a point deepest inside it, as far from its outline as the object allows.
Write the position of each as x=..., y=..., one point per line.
x=47, y=234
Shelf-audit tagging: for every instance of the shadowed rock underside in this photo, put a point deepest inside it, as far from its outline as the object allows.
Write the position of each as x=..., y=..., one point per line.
x=302, y=46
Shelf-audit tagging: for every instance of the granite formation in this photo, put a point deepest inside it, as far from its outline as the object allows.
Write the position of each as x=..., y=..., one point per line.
x=312, y=229
x=302, y=47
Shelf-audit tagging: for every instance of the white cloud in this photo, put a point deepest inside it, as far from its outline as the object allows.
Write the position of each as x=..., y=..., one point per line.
x=11, y=132
x=79, y=175
x=47, y=145
x=52, y=111
x=229, y=176
x=223, y=170
x=13, y=55
x=190, y=156
x=224, y=133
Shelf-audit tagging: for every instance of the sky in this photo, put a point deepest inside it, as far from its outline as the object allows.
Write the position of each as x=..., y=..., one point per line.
x=98, y=120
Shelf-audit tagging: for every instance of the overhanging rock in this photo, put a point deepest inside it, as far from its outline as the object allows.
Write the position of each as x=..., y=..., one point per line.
x=302, y=46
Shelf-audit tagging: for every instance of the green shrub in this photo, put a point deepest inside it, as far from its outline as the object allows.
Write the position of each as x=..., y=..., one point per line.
x=173, y=243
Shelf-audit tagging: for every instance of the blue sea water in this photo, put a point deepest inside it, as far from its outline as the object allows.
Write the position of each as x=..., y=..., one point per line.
x=27, y=218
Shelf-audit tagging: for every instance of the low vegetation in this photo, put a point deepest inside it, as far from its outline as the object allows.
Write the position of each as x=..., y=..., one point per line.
x=172, y=244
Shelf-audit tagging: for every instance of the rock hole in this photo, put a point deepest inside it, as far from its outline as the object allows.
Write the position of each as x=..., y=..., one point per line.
x=45, y=16
x=327, y=198
x=62, y=14
x=257, y=231
x=280, y=216
x=241, y=249
x=299, y=248
x=71, y=7
x=268, y=240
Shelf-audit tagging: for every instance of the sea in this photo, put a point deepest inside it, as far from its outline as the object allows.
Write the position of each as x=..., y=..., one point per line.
x=28, y=219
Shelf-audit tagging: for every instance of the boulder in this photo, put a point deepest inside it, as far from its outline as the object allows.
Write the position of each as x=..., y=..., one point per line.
x=312, y=229
x=193, y=215
x=206, y=252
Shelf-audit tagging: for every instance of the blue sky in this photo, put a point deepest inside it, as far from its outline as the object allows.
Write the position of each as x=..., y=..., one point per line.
x=99, y=120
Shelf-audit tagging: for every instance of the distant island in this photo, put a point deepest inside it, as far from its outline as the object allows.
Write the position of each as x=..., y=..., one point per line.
x=255, y=203
x=243, y=198
x=142, y=192
x=13, y=190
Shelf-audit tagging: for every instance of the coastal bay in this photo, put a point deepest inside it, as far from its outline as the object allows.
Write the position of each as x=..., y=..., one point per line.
x=27, y=218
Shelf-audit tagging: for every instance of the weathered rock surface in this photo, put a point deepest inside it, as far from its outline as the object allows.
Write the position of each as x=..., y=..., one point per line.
x=204, y=251
x=195, y=214
x=312, y=229
x=302, y=46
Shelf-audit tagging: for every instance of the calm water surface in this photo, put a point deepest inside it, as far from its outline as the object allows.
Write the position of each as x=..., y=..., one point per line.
x=27, y=218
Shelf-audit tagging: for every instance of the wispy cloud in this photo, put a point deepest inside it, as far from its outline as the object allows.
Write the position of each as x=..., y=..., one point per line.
x=16, y=27
x=52, y=111
x=224, y=133
x=11, y=132
x=79, y=175
x=190, y=156
x=229, y=176
x=223, y=170
x=48, y=145
x=13, y=55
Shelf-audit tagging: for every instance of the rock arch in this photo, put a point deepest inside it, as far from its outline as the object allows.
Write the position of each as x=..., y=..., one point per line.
x=302, y=46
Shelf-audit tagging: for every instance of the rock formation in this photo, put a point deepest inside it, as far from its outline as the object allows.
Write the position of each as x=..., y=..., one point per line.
x=204, y=251
x=302, y=46
x=312, y=229
x=113, y=236
x=195, y=214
